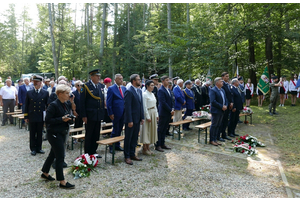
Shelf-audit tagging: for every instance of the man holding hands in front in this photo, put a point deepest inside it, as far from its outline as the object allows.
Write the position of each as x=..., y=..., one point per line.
x=218, y=103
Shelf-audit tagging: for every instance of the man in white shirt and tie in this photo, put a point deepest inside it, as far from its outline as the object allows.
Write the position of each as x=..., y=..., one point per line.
x=8, y=99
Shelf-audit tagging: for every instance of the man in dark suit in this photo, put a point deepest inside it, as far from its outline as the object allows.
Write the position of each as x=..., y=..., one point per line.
x=92, y=111
x=218, y=105
x=226, y=88
x=237, y=106
x=198, y=94
x=165, y=110
x=115, y=108
x=205, y=93
x=35, y=105
x=23, y=89
x=190, y=103
x=134, y=116
x=76, y=93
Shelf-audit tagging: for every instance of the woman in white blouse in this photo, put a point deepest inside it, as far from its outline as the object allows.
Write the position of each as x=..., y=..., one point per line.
x=149, y=133
x=293, y=89
x=249, y=92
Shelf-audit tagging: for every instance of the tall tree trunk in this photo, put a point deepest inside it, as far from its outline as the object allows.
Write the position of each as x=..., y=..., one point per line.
x=22, y=62
x=128, y=34
x=102, y=34
x=115, y=39
x=169, y=30
x=92, y=16
x=252, y=57
x=53, y=42
x=88, y=37
x=188, y=24
x=269, y=47
x=74, y=41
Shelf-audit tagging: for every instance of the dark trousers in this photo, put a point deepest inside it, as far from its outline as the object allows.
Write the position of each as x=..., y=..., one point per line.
x=35, y=135
x=92, y=135
x=163, y=125
x=130, y=140
x=224, y=124
x=57, y=151
x=8, y=104
x=216, y=121
x=78, y=124
x=188, y=112
x=234, y=118
x=106, y=119
x=118, y=124
x=170, y=121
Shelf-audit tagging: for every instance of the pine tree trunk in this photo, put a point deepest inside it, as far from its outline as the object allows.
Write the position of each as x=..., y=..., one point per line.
x=102, y=34
x=53, y=41
x=115, y=39
x=169, y=29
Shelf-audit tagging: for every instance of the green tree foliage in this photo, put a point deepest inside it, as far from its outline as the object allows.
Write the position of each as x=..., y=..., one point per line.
x=137, y=39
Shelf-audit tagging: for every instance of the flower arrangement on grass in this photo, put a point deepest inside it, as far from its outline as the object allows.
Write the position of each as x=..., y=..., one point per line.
x=245, y=149
x=205, y=108
x=249, y=139
x=247, y=110
x=83, y=165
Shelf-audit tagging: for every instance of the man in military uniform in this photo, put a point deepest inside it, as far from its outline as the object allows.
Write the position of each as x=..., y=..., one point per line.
x=198, y=94
x=92, y=111
x=274, y=95
x=175, y=81
x=35, y=104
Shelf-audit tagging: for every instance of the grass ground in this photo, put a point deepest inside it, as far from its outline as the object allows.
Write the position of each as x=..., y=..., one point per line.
x=285, y=131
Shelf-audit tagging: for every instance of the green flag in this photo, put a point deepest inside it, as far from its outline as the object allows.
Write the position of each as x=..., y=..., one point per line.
x=263, y=84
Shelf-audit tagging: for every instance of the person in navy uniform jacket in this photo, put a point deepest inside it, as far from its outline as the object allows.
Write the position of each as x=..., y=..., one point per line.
x=23, y=91
x=35, y=105
x=76, y=93
x=237, y=106
x=133, y=117
x=226, y=88
x=115, y=108
x=218, y=104
x=190, y=103
x=92, y=111
x=165, y=110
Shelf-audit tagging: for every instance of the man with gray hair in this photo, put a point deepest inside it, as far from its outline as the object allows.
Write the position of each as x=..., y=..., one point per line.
x=179, y=101
x=237, y=106
x=205, y=93
x=8, y=99
x=218, y=103
x=198, y=94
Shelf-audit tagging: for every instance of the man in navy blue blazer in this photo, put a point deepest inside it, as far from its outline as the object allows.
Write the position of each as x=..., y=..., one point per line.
x=179, y=101
x=23, y=91
x=165, y=110
x=76, y=93
x=115, y=107
x=237, y=106
x=218, y=103
x=190, y=103
x=133, y=117
x=226, y=88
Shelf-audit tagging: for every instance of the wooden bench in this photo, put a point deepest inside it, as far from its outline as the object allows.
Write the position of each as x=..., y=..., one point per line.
x=179, y=123
x=17, y=116
x=246, y=115
x=111, y=141
x=82, y=137
x=203, y=127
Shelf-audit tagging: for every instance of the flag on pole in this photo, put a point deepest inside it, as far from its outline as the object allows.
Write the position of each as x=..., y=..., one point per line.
x=298, y=82
x=263, y=84
x=237, y=72
x=208, y=76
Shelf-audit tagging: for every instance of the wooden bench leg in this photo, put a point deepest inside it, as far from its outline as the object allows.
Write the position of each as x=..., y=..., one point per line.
x=173, y=132
x=199, y=135
x=20, y=122
x=206, y=136
x=113, y=153
x=251, y=119
x=81, y=147
x=106, y=146
x=72, y=143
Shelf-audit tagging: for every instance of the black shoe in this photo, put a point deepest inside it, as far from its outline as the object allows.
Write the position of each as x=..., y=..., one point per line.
x=189, y=129
x=40, y=151
x=49, y=178
x=270, y=113
x=111, y=151
x=240, y=122
x=2, y=124
x=231, y=135
x=221, y=139
x=185, y=129
x=236, y=134
x=275, y=113
x=97, y=155
x=169, y=134
x=118, y=148
x=138, y=145
x=67, y=186
x=33, y=153
x=227, y=138
x=65, y=165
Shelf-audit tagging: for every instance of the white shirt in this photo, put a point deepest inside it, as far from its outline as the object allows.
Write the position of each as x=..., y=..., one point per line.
x=8, y=92
x=249, y=86
x=292, y=86
x=149, y=101
x=49, y=90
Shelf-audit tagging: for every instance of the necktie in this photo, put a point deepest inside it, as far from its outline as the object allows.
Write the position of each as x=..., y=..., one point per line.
x=121, y=92
x=36, y=91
